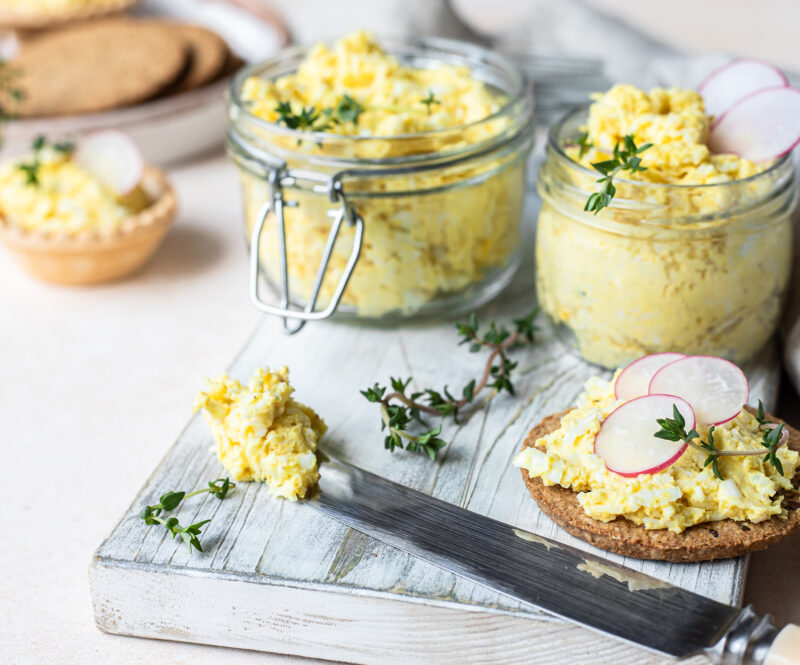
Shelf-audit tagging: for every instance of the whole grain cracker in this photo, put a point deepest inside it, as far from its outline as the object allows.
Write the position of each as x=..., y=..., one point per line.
x=209, y=54
x=96, y=66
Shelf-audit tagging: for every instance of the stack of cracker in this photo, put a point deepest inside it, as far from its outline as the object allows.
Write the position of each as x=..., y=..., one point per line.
x=112, y=63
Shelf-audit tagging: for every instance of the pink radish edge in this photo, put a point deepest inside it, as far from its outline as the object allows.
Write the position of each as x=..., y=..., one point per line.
x=661, y=466
x=744, y=99
x=736, y=61
x=636, y=362
x=722, y=422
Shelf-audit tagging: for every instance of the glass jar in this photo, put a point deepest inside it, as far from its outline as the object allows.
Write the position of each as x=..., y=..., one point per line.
x=390, y=227
x=697, y=269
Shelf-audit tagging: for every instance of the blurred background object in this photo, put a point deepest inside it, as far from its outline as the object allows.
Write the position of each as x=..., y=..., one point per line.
x=168, y=95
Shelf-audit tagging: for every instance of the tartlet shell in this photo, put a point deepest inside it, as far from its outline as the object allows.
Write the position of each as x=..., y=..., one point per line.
x=703, y=542
x=44, y=19
x=94, y=258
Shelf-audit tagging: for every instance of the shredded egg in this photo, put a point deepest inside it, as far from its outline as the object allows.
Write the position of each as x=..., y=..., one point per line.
x=262, y=433
x=48, y=192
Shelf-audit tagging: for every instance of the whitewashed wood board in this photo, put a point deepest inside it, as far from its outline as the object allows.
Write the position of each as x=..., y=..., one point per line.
x=278, y=576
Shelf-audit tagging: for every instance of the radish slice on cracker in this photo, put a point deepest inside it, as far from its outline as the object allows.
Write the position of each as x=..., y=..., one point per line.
x=760, y=127
x=627, y=442
x=113, y=158
x=732, y=82
x=716, y=388
x=634, y=380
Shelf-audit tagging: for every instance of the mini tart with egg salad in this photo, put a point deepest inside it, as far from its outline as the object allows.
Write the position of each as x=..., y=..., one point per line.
x=85, y=213
x=682, y=512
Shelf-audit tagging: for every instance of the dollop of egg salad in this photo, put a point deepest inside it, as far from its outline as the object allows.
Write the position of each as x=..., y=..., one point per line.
x=262, y=433
x=738, y=485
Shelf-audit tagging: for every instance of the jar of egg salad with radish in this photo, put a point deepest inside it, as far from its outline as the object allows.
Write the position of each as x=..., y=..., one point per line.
x=382, y=179
x=681, y=250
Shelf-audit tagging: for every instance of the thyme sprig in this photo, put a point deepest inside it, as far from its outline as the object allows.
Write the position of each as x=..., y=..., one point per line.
x=31, y=168
x=430, y=100
x=584, y=144
x=673, y=429
x=309, y=118
x=346, y=110
x=171, y=500
x=9, y=90
x=625, y=158
x=400, y=409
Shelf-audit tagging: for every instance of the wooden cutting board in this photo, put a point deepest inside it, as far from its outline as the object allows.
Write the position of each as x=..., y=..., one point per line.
x=277, y=576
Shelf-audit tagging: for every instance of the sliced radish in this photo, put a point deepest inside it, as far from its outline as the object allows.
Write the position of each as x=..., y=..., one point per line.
x=634, y=380
x=763, y=126
x=627, y=442
x=736, y=80
x=716, y=388
x=113, y=158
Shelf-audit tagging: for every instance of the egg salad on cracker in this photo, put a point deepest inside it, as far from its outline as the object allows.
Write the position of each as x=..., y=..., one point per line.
x=686, y=493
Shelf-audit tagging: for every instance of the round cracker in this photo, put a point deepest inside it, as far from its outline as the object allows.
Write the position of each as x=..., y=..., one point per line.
x=209, y=54
x=40, y=19
x=703, y=542
x=96, y=66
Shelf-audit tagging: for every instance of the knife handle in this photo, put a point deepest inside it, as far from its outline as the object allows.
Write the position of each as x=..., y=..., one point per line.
x=785, y=649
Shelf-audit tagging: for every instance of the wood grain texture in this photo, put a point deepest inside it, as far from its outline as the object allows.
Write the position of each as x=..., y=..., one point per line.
x=270, y=566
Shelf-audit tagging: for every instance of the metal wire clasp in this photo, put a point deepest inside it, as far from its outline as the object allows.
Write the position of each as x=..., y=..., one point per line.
x=277, y=180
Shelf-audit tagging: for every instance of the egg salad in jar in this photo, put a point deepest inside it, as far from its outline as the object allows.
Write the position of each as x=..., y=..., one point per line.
x=431, y=157
x=83, y=213
x=693, y=253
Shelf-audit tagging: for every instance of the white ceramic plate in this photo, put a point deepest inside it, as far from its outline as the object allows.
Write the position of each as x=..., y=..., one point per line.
x=179, y=126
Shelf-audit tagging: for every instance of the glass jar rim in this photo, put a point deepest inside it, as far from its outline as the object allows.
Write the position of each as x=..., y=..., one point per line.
x=555, y=144
x=445, y=51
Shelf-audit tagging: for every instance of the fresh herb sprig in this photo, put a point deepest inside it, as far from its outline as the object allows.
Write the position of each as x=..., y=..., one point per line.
x=430, y=100
x=584, y=144
x=673, y=429
x=310, y=119
x=625, y=158
x=9, y=92
x=31, y=168
x=400, y=409
x=171, y=500
x=346, y=110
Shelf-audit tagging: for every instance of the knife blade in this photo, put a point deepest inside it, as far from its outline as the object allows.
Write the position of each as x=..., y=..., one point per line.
x=561, y=580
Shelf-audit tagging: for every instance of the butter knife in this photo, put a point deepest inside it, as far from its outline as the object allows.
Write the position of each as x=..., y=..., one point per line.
x=561, y=580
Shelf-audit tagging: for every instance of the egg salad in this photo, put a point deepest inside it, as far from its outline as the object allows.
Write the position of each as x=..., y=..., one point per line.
x=47, y=192
x=692, y=255
x=395, y=99
x=262, y=433
x=427, y=234
x=683, y=494
x=675, y=122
